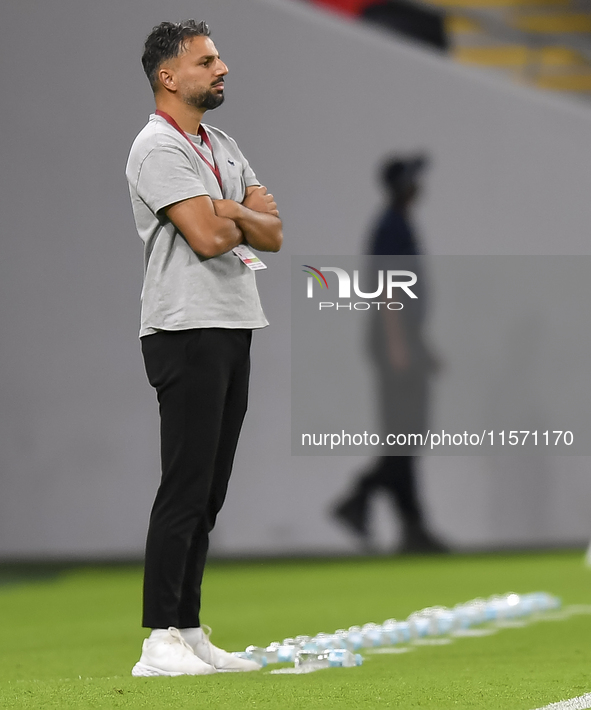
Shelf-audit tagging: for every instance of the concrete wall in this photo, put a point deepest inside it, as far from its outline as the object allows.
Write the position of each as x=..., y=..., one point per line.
x=314, y=103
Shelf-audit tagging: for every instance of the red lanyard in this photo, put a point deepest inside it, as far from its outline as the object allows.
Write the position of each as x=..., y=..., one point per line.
x=214, y=168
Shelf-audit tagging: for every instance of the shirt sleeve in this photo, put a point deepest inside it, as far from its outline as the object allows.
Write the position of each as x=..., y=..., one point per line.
x=166, y=176
x=248, y=175
x=247, y=172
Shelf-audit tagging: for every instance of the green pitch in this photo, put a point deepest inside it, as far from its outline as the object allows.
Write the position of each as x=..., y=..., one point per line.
x=70, y=641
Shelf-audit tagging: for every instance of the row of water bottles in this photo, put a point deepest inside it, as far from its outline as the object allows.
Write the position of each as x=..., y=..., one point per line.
x=340, y=649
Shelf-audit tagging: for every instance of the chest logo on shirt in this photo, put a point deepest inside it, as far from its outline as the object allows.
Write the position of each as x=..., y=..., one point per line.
x=231, y=162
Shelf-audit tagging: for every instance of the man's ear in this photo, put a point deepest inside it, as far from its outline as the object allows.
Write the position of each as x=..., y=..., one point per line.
x=167, y=78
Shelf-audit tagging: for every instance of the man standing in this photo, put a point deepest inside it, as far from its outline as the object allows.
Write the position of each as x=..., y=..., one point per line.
x=404, y=365
x=198, y=207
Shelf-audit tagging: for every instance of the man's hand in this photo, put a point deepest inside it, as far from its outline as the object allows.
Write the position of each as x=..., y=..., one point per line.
x=256, y=217
x=228, y=209
x=396, y=341
x=259, y=200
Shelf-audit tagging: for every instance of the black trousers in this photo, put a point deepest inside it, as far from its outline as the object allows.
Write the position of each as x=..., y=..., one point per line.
x=396, y=475
x=201, y=378
x=404, y=409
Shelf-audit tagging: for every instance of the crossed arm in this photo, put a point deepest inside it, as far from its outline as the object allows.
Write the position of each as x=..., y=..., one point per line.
x=214, y=227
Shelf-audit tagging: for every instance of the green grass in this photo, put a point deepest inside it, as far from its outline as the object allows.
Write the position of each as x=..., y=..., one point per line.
x=70, y=641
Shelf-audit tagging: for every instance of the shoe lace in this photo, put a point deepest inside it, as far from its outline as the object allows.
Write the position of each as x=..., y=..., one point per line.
x=212, y=651
x=206, y=631
x=178, y=637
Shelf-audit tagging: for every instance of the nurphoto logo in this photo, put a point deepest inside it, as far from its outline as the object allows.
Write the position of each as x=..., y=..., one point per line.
x=386, y=282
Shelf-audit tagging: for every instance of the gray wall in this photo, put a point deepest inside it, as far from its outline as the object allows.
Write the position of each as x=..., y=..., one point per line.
x=314, y=102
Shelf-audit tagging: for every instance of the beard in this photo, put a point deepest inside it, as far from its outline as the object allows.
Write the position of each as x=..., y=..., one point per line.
x=205, y=100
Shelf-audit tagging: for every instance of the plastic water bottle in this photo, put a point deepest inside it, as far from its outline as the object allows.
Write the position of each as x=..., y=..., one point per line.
x=342, y=658
x=311, y=660
x=511, y=605
x=441, y=620
x=493, y=608
x=336, y=658
x=477, y=610
x=286, y=652
x=421, y=623
x=390, y=633
x=512, y=601
x=403, y=629
x=272, y=652
x=462, y=617
x=547, y=602
x=372, y=635
x=337, y=640
x=354, y=638
x=418, y=624
x=497, y=608
x=255, y=653
x=528, y=604
x=301, y=640
x=321, y=641
x=341, y=639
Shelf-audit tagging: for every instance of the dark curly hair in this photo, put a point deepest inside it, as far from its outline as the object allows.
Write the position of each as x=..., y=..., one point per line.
x=168, y=40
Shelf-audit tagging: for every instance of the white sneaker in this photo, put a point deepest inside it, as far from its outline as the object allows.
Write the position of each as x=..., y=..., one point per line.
x=167, y=653
x=221, y=660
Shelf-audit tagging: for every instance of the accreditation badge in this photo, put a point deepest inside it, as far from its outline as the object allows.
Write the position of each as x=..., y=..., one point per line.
x=248, y=257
